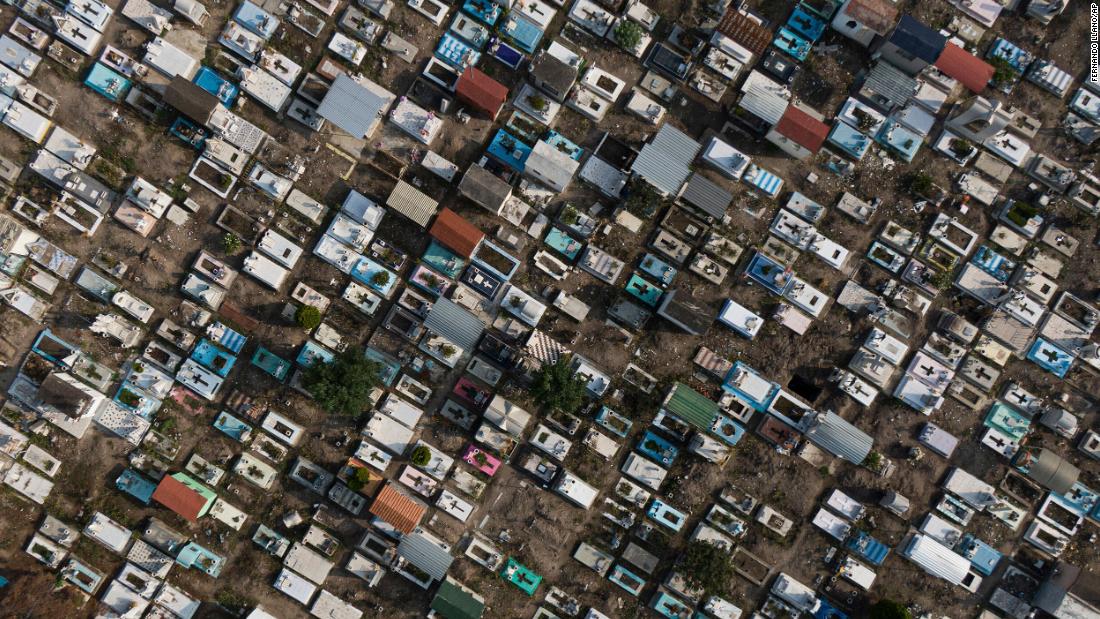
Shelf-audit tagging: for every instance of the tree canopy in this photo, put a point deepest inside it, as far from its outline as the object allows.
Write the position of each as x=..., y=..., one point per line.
x=557, y=387
x=889, y=609
x=343, y=386
x=307, y=317
x=628, y=34
x=707, y=566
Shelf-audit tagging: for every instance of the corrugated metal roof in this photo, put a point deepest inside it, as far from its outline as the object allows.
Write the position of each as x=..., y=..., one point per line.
x=707, y=196
x=412, y=203
x=454, y=602
x=937, y=559
x=890, y=83
x=691, y=406
x=832, y=433
x=745, y=30
x=453, y=322
x=664, y=162
x=418, y=549
x=355, y=107
x=764, y=98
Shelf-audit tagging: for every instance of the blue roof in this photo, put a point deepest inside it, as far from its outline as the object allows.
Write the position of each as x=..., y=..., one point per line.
x=868, y=547
x=232, y=427
x=898, y=139
x=312, y=352
x=107, y=82
x=271, y=363
x=982, y=556
x=793, y=44
x=992, y=262
x=509, y=150
x=213, y=358
x=256, y=19
x=456, y=52
x=918, y=39
x=657, y=448
x=524, y=33
x=1050, y=357
x=760, y=404
x=209, y=80
x=806, y=24
x=485, y=11
x=193, y=555
x=769, y=273
x=850, y=141
x=136, y=485
x=228, y=338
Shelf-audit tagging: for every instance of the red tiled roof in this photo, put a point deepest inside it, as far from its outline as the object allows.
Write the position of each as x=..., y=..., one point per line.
x=455, y=233
x=745, y=31
x=397, y=509
x=179, y=498
x=802, y=129
x=481, y=91
x=957, y=63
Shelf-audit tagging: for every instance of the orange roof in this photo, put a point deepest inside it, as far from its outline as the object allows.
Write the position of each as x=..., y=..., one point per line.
x=959, y=64
x=745, y=31
x=802, y=129
x=455, y=233
x=397, y=509
x=177, y=497
x=481, y=91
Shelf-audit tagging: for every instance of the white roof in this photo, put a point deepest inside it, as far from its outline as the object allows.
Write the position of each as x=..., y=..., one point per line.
x=349, y=232
x=26, y=122
x=424, y=126
x=388, y=433
x=726, y=158
x=336, y=253
x=845, y=505
x=644, y=471
x=108, y=532
x=28, y=483
x=308, y=563
x=279, y=248
x=265, y=87
x=936, y=559
x=363, y=210
x=328, y=606
x=832, y=524
x=266, y=270
x=575, y=489
x=401, y=410
x=740, y=318
x=282, y=428
x=294, y=586
x=170, y=60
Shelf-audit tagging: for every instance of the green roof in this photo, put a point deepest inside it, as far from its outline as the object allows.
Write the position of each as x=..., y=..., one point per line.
x=206, y=493
x=454, y=602
x=691, y=406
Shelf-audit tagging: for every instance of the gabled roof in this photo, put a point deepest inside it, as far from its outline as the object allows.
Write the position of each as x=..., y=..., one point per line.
x=745, y=30
x=484, y=188
x=412, y=203
x=802, y=129
x=707, y=196
x=397, y=509
x=959, y=64
x=550, y=70
x=453, y=322
x=691, y=406
x=877, y=15
x=190, y=99
x=918, y=39
x=455, y=233
x=353, y=106
x=180, y=498
x=665, y=161
x=452, y=601
x=425, y=553
x=888, y=86
x=481, y=91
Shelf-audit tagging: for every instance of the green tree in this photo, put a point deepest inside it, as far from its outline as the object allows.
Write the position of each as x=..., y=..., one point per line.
x=707, y=566
x=343, y=386
x=421, y=456
x=557, y=387
x=889, y=609
x=628, y=34
x=307, y=317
